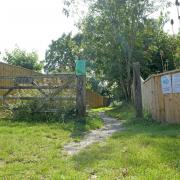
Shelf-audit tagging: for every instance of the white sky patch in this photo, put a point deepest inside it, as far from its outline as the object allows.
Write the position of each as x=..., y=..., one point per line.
x=173, y=15
x=33, y=24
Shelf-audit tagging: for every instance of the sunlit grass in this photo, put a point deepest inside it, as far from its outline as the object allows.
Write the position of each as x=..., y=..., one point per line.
x=143, y=150
x=31, y=150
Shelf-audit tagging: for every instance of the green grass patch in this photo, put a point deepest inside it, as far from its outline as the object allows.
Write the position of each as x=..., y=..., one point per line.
x=34, y=149
x=145, y=149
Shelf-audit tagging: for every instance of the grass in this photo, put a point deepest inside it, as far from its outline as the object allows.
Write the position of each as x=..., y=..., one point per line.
x=144, y=150
x=34, y=150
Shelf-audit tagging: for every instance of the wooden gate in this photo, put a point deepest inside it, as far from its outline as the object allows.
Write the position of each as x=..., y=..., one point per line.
x=52, y=92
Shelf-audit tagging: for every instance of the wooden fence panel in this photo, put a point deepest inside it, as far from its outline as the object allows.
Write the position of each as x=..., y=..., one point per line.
x=162, y=107
x=10, y=70
x=7, y=71
x=95, y=100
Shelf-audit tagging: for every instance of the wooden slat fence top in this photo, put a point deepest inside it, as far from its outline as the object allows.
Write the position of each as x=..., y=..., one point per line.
x=41, y=76
x=18, y=67
x=162, y=74
x=32, y=87
x=38, y=98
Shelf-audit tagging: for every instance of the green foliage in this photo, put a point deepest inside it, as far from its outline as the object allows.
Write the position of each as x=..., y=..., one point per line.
x=159, y=48
x=62, y=53
x=34, y=111
x=118, y=33
x=177, y=52
x=113, y=38
x=22, y=58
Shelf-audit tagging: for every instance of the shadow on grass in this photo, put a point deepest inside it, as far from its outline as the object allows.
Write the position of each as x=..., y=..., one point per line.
x=77, y=126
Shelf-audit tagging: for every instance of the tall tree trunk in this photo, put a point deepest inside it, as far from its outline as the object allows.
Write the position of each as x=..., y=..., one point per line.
x=122, y=85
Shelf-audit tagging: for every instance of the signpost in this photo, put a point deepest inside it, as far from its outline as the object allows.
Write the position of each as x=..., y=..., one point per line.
x=81, y=87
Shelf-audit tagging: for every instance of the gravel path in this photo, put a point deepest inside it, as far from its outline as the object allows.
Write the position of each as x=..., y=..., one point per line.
x=111, y=125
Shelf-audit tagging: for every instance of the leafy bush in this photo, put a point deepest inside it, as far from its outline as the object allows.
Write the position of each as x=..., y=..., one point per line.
x=37, y=111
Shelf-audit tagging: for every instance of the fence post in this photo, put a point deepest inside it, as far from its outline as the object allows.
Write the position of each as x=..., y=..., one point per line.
x=81, y=95
x=81, y=87
x=137, y=89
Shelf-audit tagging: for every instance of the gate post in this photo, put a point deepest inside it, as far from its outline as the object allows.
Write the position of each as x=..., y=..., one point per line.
x=137, y=89
x=81, y=87
x=81, y=95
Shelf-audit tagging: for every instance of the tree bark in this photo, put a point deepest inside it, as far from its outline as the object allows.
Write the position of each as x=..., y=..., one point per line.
x=81, y=95
x=137, y=89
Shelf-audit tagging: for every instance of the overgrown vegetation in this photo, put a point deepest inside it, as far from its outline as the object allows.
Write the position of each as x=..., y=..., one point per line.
x=37, y=110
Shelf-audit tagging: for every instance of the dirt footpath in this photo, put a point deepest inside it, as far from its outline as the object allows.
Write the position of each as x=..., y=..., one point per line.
x=111, y=125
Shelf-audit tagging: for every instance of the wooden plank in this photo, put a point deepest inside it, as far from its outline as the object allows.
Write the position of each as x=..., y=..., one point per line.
x=153, y=100
x=40, y=76
x=9, y=91
x=169, y=108
x=37, y=98
x=160, y=100
x=60, y=88
x=176, y=108
x=38, y=88
x=32, y=87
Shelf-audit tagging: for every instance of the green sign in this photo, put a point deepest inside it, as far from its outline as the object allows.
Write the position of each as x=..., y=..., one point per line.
x=80, y=67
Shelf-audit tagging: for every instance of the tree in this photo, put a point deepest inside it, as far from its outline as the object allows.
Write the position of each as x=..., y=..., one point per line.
x=118, y=33
x=159, y=48
x=62, y=53
x=24, y=59
x=177, y=51
x=112, y=31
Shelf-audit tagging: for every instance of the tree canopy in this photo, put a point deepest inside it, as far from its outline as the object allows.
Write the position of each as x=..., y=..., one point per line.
x=62, y=53
x=24, y=59
x=114, y=35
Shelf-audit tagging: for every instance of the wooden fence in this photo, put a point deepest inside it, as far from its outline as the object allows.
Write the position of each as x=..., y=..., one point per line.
x=163, y=106
x=10, y=75
x=95, y=100
x=10, y=70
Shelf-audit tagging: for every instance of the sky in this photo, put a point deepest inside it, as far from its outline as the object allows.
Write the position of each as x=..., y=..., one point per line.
x=33, y=24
